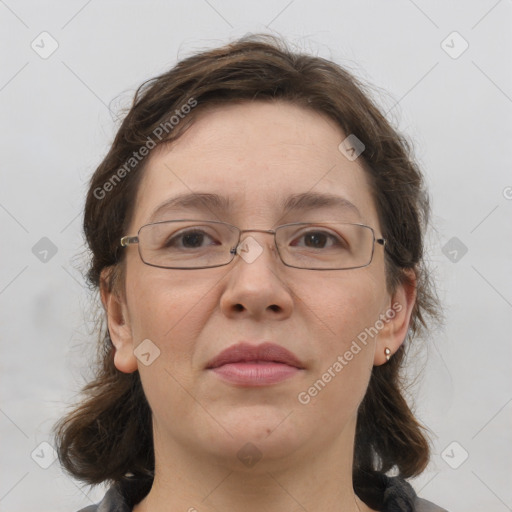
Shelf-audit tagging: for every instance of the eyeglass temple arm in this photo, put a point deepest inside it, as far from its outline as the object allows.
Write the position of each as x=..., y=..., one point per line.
x=128, y=240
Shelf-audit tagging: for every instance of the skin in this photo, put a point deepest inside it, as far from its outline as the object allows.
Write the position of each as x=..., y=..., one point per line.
x=257, y=154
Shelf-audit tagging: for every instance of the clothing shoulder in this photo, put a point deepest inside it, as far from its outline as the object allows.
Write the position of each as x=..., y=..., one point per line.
x=399, y=496
x=421, y=505
x=113, y=501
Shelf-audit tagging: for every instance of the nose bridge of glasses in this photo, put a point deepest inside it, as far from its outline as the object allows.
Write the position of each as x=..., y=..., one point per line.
x=250, y=248
x=270, y=231
x=264, y=231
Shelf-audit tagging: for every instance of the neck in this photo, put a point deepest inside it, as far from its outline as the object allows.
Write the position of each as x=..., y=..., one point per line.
x=307, y=480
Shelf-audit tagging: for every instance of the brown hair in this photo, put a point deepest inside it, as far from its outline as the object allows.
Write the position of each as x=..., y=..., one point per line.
x=110, y=433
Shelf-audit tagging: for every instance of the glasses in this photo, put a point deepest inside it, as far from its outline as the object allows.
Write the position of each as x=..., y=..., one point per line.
x=197, y=244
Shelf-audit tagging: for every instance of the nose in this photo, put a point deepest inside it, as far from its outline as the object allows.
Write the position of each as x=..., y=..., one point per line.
x=256, y=287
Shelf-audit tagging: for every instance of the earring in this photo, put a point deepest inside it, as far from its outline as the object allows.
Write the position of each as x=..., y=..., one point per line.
x=388, y=353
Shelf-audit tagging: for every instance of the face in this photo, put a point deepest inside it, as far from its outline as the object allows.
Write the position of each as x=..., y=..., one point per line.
x=256, y=156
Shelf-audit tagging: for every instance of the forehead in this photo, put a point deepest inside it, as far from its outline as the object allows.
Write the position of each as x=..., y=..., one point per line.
x=259, y=157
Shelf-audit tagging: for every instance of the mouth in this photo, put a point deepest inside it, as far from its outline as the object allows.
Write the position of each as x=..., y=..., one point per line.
x=248, y=365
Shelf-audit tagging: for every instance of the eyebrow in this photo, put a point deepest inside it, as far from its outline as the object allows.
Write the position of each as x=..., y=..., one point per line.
x=317, y=200
x=195, y=200
x=215, y=203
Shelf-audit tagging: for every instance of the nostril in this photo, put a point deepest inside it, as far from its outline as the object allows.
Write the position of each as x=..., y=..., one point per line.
x=238, y=307
x=275, y=307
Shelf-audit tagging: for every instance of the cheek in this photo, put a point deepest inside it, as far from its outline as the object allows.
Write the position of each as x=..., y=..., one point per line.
x=170, y=309
x=345, y=310
x=347, y=305
x=167, y=304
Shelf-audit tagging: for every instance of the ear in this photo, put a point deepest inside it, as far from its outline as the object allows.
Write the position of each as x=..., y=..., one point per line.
x=118, y=322
x=396, y=319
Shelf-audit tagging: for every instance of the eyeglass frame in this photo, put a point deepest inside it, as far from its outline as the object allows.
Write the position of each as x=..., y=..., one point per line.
x=134, y=239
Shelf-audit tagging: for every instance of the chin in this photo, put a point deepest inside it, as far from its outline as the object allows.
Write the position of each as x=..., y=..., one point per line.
x=259, y=431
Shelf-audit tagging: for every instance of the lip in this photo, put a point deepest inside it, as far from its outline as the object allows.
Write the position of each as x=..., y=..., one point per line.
x=245, y=353
x=260, y=365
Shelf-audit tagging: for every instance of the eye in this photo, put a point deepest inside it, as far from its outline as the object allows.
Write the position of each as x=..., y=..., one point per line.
x=319, y=239
x=192, y=238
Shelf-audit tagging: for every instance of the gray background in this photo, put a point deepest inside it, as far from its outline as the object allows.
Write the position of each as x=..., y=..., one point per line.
x=56, y=127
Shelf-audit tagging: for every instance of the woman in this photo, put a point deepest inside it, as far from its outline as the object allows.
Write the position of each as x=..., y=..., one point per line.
x=256, y=232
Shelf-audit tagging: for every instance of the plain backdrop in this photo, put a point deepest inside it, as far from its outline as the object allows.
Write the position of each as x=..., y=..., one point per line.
x=442, y=72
